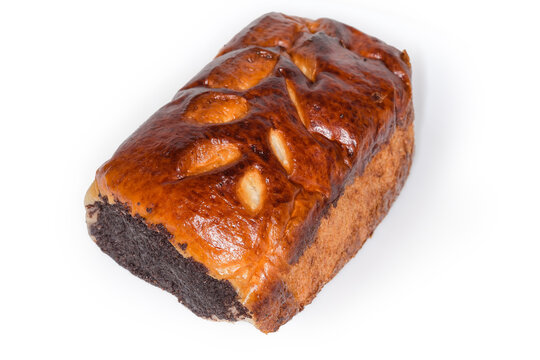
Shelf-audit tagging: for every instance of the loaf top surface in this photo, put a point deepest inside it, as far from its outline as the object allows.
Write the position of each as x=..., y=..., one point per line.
x=244, y=161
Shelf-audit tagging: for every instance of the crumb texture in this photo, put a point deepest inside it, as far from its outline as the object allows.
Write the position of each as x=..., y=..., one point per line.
x=147, y=253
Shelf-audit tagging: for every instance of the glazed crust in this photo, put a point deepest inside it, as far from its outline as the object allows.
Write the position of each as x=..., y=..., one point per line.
x=242, y=167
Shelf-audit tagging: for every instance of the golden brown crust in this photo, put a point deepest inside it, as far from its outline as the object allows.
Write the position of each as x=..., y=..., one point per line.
x=243, y=163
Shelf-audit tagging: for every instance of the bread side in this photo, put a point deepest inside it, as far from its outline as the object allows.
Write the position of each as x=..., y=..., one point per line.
x=342, y=231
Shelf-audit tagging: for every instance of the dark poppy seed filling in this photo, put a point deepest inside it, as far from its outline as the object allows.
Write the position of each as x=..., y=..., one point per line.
x=147, y=253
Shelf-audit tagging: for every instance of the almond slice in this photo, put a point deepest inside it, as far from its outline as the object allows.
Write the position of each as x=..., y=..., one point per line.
x=207, y=156
x=294, y=99
x=216, y=108
x=249, y=68
x=252, y=190
x=280, y=149
x=308, y=66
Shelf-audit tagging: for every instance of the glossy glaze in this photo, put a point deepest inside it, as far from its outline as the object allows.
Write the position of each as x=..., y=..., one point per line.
x=331, y=93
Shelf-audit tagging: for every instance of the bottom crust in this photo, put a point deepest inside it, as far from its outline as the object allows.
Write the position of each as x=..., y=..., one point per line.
x=148, y=254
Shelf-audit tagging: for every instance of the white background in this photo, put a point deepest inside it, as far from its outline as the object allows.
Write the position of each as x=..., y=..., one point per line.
x=453, y=272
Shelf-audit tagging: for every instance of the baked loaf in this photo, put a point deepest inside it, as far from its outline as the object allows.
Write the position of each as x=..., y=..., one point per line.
x=265, y=174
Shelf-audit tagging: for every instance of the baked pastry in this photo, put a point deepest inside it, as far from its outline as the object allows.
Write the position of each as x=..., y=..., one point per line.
x=265, y=174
